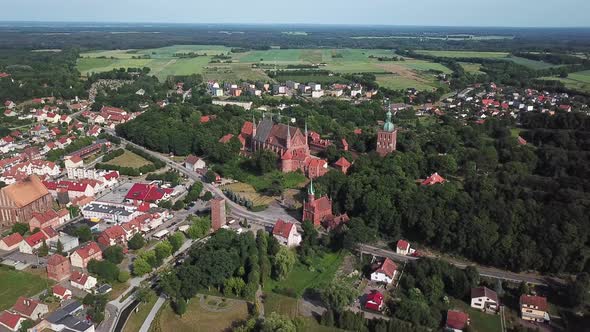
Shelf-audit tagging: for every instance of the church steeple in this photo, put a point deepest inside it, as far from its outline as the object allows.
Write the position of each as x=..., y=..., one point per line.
x=388, y=126
x=288, y=144
x=311, y=192
x=306, y=133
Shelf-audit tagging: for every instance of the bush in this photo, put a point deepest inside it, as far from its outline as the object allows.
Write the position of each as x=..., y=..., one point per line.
x=123, y=276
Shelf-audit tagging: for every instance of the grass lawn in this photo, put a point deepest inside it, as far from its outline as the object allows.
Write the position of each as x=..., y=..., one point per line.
x=288, y=306
x=16, y=283
x=200, y=318
x=472, y=68
x=247, y=191
x=136, y=319
x=480, y=322
x=302, y=277
x=129, y=159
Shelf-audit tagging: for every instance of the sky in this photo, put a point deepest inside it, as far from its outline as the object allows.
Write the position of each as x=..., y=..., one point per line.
x=509, y=13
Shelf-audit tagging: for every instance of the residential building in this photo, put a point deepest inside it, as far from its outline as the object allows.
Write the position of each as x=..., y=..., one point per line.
x=457, y=321
x=433, y=179
x=49, y=218
x=374, y=301
x=403, y=247
x=387, y=137
x=32, y=243
x=29, y=308
x=148, y=192
x=82, y=281
x=18, y=201
x=117, y=213
x=11, y=320
x=385, y=272
x=61, y=292
x=11, y=242
x=85, y=254
x=58, y=268
x=114, y=235
x=286, y=233
x=194, y=163
x=342, y=165
x=534, y=308
x=218, y=213
x=66, y=319
x=484, y=299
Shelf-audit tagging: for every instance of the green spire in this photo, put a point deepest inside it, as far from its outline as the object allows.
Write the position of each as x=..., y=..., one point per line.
x=310, y=189
x=388, y=126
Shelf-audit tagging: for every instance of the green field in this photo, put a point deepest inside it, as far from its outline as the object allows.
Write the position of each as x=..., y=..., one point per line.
x=129, y=159
x=136, y=319
x=244, y=66
x=288, y=306
x=577, y=81
x=202, y=317
x=472, y=68
x=490, y=55
x=480, y=321
x=16, y=283
x=303, y=277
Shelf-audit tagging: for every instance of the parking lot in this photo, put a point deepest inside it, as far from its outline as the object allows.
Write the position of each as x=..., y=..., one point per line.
x=21, y=261
x=117, y=195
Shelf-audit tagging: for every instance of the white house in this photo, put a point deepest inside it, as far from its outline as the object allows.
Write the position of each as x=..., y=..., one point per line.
x=11, y=320
x=11, y=242
x=317, y=93
x=82, y=281
x=194, y=163
x=61, y=292
x=484, y=299
x=30, y=308
x=286, y=233
x=403, y=247
x=31, y=243
x=385, y=272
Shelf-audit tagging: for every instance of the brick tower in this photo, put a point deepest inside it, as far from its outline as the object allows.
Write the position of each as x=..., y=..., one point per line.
x=387, y=137
x=217, y=213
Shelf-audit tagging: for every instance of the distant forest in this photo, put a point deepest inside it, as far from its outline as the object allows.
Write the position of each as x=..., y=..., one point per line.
x=123, y=36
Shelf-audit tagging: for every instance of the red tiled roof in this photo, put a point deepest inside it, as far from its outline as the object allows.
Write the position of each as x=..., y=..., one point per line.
x=147, y=192
x=457, y=319
x=79, y=278
x=12, y=239
x=35, y=239
x=46, y=216
x=342, y=162
x=535, y=301
x=56, y=259
x=282, y=228
x=111, y=175
x=59, y=290
x=49, y=232
x=247, y=128
x=88, y=250
x=403, y=244
x=10, y=319
x=374, y=300
x=25, y=306
x=433, y=179
x=226, y=138
x=388, y=267
x=521, y=141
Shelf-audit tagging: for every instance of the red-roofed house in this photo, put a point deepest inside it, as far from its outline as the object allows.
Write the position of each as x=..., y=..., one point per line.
x=112, y=236
x=374, y=301
x=148, y=193
x=433, y=179
x=342, y=165
x=194, y=163
x=9, y=112
x=385, y=272
x=225, y=139
x=58, y=268
x=44, y=219
x=566, y=108
x=316, y=167
x=456, y=321
x=11, y=320
x=484, y=299
x=61, y=292
x=534, y=308
x=11, y=242
x=403, y=247
x=32, y=309
x=31, y=243
x=286, y=233
x=85, y=254
x=521, y=141
x=82, y=281
x=344, y=144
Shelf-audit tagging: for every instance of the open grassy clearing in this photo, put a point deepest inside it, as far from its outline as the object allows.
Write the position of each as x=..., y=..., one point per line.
x=533, y=64
x=129, y=159
x=16, y=283
x=465, y=54
x=200, y=317
x=136, y=319
x=577, y=81
x=288, y=306
x=320, y=273
x=472, y=68
x=247, y=191
x=162, y=63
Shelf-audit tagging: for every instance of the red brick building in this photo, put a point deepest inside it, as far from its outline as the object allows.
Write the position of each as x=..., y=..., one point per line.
x=85, y=254
x=319, y=211
x=58, y=268
x=342, y=165
x=18, y=201
x=387, y=137
x=217, y=213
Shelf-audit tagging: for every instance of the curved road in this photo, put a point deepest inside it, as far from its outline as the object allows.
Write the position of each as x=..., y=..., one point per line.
x=269, y=217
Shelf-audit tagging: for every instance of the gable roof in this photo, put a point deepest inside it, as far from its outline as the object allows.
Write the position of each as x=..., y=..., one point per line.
x=433, y=179
x=457, y=319
x=147, y=192
x=88, y=250
x=35, y=239
x=388, y=267
x=484, y=291
x=25, y=306
x=25, y=192
x=79, y=278
x=536, y=301
x=45, y=216
x=342, y=162
x=10, y=319
x=403, y=245
x=56, y=259
x=59, y=290
x=12, y=239
x=282, y=228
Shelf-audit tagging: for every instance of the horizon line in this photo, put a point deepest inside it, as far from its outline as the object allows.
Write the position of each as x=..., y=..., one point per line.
x=382, y=25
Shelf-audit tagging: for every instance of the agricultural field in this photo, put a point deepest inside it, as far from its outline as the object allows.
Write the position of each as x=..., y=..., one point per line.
x=491, y=55
x=129, y=159
x=579, y=81
x=202, y=314
x=16, y=283
x=246, y=66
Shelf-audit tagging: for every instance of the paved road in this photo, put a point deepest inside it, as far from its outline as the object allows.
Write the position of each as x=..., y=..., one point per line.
x=145, y=327
x=484, y=271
